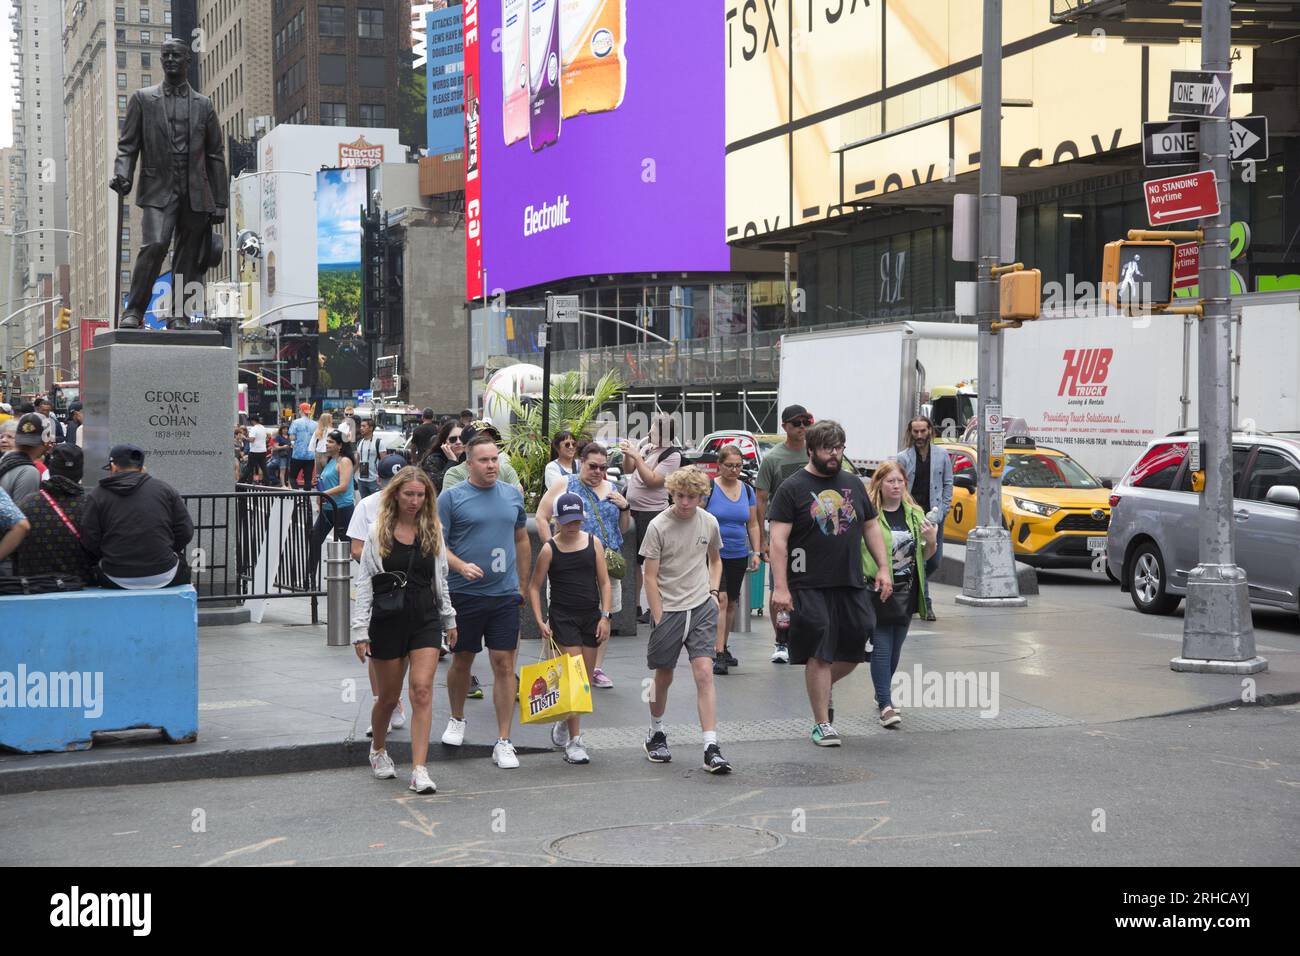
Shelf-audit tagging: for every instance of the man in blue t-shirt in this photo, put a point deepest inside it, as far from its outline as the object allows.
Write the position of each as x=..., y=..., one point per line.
x=488, y=554
x=303, y=461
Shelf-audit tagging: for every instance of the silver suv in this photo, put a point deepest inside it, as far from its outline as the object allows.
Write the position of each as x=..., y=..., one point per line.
x=1152, y=539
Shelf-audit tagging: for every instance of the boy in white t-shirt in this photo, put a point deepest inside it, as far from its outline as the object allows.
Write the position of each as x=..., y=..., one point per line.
x=683, y=574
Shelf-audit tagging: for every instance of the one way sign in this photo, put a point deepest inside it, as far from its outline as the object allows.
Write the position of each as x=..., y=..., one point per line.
x=1199, y=93
x=1176, y=142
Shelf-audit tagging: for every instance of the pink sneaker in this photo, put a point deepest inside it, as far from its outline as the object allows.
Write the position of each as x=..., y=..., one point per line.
x=600, y=679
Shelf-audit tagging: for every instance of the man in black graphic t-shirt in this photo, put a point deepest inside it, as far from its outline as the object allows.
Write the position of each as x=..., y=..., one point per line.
x=818, y=518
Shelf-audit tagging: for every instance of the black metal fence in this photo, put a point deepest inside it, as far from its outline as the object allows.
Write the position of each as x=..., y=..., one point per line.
x=255, y=544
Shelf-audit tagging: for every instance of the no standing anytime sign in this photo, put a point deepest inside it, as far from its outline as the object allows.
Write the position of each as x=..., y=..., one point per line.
x=1179, y=198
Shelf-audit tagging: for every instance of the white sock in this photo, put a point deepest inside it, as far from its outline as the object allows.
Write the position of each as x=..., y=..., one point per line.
x=710, y=738
x=656, y=724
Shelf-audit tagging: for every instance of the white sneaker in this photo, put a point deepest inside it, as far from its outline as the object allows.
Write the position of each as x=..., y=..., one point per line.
x=781, y=654
x=382, y=765
x=575, y=752
x=560, y=733
x=421, y=782
x=398, y=720
x=503, y=755
x=454, y=735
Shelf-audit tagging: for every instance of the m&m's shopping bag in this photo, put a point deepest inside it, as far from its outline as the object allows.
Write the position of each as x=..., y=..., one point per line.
x=553, y=689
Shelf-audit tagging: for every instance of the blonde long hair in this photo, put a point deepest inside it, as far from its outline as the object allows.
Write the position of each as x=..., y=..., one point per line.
x=325, y=425
x=883, y=471
x=428, y=527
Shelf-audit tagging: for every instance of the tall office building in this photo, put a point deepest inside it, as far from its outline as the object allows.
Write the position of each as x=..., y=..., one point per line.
x=40, y=186
x=235, y=67
x=340, y=64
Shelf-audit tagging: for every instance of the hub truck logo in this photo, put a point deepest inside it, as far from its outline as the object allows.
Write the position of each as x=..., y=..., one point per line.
x=545, y=693
x=1085, y=370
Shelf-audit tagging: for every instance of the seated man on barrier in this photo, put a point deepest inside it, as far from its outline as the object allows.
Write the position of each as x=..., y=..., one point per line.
x=136, y=526
x=53, y=546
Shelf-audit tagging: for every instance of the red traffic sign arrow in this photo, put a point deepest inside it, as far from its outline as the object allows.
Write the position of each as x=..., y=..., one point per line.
x=1179, y=198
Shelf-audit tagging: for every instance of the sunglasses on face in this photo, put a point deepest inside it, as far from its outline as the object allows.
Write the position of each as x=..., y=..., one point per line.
x=800, y=422
x=569, y=444
x=454, y=439
x=599, y=467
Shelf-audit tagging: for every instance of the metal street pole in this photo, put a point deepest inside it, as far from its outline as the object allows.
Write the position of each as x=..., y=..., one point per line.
x=990, y=572
x=546, y=371
x=1218, y=635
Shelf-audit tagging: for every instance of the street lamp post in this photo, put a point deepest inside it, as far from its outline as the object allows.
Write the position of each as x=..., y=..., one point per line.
x=1218, y=635
x=990, y=569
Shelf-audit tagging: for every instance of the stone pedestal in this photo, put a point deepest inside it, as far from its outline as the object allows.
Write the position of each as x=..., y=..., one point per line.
x=170, y=393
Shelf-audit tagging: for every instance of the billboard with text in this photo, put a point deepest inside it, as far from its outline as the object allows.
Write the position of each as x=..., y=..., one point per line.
x=594, y=139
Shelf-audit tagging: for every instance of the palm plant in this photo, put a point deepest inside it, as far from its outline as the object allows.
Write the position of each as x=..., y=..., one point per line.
x=572, y=409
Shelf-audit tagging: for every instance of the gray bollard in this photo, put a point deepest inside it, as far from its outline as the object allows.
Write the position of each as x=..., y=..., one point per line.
x=743, y=612
x=338, y=593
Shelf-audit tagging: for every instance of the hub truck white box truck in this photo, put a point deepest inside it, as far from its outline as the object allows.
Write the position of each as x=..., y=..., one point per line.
x=1101, y=386
x=872, y=380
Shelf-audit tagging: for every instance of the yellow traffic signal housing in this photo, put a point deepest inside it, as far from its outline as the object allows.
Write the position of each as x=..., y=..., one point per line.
x=1138, y=273
x=29, y=359
x=1020, y=295
x=64, y=320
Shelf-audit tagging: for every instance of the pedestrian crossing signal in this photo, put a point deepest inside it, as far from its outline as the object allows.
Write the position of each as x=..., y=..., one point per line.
x=1137, y=274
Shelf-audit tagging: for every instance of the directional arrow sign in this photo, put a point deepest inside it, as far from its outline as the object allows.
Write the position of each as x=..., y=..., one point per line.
x=1199, y=93
x=1179, y=198
x=1249, y=139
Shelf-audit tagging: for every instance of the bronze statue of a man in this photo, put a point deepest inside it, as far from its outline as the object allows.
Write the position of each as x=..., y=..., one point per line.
x=173, y=133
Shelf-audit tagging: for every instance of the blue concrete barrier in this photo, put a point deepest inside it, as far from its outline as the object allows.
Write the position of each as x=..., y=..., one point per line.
x=77, y=663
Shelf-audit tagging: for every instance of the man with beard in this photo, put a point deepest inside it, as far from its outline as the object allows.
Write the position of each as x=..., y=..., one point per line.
x=818, y=518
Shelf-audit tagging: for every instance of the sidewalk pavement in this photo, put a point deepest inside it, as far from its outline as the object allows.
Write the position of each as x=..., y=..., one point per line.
x=272, y=696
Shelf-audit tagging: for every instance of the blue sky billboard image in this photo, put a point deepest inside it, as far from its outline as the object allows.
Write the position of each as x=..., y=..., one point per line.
x=343, y=358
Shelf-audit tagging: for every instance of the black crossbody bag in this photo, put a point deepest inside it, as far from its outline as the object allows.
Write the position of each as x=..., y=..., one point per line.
x=389, y=588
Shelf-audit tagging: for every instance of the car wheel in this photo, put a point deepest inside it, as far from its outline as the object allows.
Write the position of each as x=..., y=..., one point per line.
x=1147, y=582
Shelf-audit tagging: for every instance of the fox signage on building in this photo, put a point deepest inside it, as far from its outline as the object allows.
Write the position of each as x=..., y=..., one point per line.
x=811, y=86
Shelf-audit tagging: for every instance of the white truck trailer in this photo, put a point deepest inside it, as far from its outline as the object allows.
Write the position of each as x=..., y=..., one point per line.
x=1100, y=386
x=872, y=380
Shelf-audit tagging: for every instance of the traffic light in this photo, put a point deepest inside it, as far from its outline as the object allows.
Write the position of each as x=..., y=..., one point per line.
x=1020, y=295
x=1138, y=272
x=64, y=320
x=29, y=360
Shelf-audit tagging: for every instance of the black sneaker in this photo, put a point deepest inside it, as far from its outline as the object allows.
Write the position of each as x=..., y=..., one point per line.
x=656, y=748
x=642, y=617
x=714, y=761
x=720, y=664
x=928, y=615
x=731, y=658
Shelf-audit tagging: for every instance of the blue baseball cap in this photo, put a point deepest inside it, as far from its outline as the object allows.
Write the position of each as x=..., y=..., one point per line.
x=568, y=508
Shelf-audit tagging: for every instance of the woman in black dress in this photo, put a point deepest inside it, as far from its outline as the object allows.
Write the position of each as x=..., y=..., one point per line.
x=406, y=539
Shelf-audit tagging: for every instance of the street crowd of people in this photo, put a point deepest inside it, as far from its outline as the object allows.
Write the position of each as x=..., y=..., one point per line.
x=446, y=567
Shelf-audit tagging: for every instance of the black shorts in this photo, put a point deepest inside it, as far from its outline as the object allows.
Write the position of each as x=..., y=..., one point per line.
x=830, y=624
x=642, y=521
x=733, y=575
x=395, y=638
x=480, y=620
x=574, y=628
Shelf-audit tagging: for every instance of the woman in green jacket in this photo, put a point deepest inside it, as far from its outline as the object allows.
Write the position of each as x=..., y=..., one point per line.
x=904, y=525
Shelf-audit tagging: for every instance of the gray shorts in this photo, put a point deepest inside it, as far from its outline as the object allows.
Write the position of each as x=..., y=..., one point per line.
x=696, y=628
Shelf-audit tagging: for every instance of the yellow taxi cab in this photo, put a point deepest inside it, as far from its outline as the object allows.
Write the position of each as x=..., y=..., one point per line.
x=1056, y=511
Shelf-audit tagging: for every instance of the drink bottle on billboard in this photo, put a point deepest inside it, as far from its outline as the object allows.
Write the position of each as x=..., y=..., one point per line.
x=592, y=36
x=544, y=73
x=514, y=69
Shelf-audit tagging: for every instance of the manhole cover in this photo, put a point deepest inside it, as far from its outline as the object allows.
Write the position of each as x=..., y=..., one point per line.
x=665, y=844
x=807, y=774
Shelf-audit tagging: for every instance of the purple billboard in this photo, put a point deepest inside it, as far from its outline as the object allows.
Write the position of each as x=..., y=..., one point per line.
x=601, y=126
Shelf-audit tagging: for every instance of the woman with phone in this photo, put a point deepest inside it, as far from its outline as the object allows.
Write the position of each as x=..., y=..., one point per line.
x=405, y=550
x=905, y=530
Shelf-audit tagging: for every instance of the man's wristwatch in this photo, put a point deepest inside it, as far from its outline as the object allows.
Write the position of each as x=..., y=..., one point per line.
x=605, y=614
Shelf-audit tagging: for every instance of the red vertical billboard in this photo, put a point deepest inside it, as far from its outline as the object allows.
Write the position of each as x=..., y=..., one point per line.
x=473, y=158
